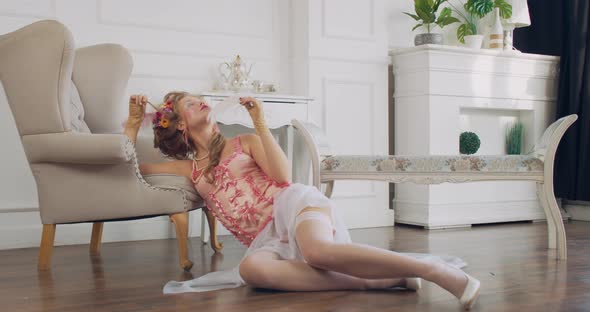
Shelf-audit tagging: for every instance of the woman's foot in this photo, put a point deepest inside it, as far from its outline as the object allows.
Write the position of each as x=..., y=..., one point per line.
x=460, y=284
x=470, y=293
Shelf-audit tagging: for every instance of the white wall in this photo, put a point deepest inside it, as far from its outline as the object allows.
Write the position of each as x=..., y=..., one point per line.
x=332, y=50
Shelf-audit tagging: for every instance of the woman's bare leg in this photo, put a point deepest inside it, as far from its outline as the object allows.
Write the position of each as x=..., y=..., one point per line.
x=264, y=269
x=317, y=245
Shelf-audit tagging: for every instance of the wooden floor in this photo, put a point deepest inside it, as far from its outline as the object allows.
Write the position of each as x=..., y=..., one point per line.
x=511, y=261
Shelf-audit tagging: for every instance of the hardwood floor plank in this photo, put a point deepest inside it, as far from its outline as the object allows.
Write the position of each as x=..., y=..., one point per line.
x=511, y=260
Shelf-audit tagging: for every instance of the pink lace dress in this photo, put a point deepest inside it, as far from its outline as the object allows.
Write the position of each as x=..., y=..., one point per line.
x=260, y=213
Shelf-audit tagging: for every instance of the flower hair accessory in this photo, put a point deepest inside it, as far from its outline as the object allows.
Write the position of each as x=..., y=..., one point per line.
x=161, y=116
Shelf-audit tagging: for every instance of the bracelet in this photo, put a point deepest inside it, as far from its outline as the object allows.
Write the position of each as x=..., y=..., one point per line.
x=260, y=125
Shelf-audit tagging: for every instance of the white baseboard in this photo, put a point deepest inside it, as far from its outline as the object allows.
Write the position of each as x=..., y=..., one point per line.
x=433, y=216
x=578, y=210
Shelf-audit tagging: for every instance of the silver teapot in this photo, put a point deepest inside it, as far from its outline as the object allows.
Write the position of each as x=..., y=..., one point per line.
x=235, y=75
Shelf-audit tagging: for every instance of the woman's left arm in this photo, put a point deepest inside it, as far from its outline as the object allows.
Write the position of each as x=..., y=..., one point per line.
x=263, y=146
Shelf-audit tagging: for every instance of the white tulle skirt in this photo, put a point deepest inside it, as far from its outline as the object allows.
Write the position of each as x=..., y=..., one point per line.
x=278, y=236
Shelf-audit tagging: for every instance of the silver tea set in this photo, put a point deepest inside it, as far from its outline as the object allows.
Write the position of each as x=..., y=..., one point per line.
x=235, y=76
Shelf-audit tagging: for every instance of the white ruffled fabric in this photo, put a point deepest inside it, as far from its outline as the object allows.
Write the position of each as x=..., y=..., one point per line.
x=279, y=236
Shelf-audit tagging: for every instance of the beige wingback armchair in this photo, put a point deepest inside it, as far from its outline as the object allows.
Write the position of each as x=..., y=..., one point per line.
x=83, y=175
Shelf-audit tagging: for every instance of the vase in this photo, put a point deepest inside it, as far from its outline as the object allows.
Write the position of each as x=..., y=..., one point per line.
x=473, y=41
x=428, y=38
x=496, y=39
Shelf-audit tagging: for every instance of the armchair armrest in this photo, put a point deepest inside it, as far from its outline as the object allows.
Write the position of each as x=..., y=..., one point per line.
x=315, y=134
x=78, y=148
x=146, y=152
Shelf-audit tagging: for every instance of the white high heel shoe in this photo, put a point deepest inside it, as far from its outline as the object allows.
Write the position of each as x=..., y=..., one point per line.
x=470, y=293
x=413, y=283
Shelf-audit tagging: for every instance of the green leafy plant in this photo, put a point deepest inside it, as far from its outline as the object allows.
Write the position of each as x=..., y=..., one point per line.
x=468, y=143
x=514, y=138
x=426, y=14
x=475, y=10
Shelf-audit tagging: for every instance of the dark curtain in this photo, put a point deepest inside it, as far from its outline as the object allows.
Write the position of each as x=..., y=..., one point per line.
x=561, y=27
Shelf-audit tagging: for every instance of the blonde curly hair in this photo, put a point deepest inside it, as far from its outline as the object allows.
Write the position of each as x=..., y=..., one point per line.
x=171, y=140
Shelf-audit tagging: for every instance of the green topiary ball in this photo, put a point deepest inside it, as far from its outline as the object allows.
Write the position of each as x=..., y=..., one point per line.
x=468, y=143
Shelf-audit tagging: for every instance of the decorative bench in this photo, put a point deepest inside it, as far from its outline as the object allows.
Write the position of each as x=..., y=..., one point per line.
x=537, y=165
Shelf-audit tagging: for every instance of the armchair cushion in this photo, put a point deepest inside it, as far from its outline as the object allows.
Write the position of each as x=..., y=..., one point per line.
x=78, y=148
x=146, y=152
x=78, y=123
x=522, y=164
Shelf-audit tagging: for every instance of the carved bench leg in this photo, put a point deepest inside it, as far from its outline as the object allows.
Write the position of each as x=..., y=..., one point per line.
x=180, y=221
x=95, y=240
x=215, y=244
x=46, y=248
x=329, y=188
x=556, y=230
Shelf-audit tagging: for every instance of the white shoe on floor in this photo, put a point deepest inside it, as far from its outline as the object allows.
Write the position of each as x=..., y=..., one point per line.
x=470, y=293
x=413, y=283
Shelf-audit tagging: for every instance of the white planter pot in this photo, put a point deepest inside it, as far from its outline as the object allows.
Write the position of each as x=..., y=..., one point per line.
x=474, y=41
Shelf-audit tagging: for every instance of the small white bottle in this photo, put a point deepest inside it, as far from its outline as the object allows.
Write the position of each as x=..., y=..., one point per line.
x=496, y=37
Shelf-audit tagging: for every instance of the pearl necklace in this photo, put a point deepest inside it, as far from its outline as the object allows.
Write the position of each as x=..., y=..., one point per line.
x=196, y=165
x=203, y=156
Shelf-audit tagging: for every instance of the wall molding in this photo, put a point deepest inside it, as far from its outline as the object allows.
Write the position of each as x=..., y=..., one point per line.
x=102, y=20
x=17, y=210
x=371, y=194
x=369, y=38
x=326, y=80
x=195, y=55
x=199, y=78
x=366, y=61
x=53, y=13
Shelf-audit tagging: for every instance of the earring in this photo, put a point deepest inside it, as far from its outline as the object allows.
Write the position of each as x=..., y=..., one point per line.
x=185, y=137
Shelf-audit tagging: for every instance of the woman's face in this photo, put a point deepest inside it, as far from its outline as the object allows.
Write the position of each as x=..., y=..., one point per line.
x=194, y=112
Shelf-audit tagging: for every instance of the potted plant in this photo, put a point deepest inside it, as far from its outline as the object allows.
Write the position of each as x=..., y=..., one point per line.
x=426, y=17
x=514, y=138
x=468, y=143
x=475, y=10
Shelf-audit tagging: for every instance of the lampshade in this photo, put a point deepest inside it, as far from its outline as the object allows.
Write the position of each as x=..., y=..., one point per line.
x=520, y=14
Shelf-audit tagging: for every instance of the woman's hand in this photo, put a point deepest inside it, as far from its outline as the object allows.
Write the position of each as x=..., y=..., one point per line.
x=254, y=108
x=137, y=106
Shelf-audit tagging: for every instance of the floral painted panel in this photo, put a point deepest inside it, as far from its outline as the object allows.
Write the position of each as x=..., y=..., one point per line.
x=433, y=163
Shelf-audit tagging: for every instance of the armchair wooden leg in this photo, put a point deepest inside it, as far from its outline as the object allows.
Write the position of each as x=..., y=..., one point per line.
x=180, y=221
x=95, y=240
x=46, y=248
x=215, y=244
x=204, y=233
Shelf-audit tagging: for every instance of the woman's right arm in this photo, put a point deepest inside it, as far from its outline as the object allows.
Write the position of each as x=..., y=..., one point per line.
x=176, y=167
x=137, y=105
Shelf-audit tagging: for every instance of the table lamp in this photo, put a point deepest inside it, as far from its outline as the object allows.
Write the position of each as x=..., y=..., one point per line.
x=520, y=18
